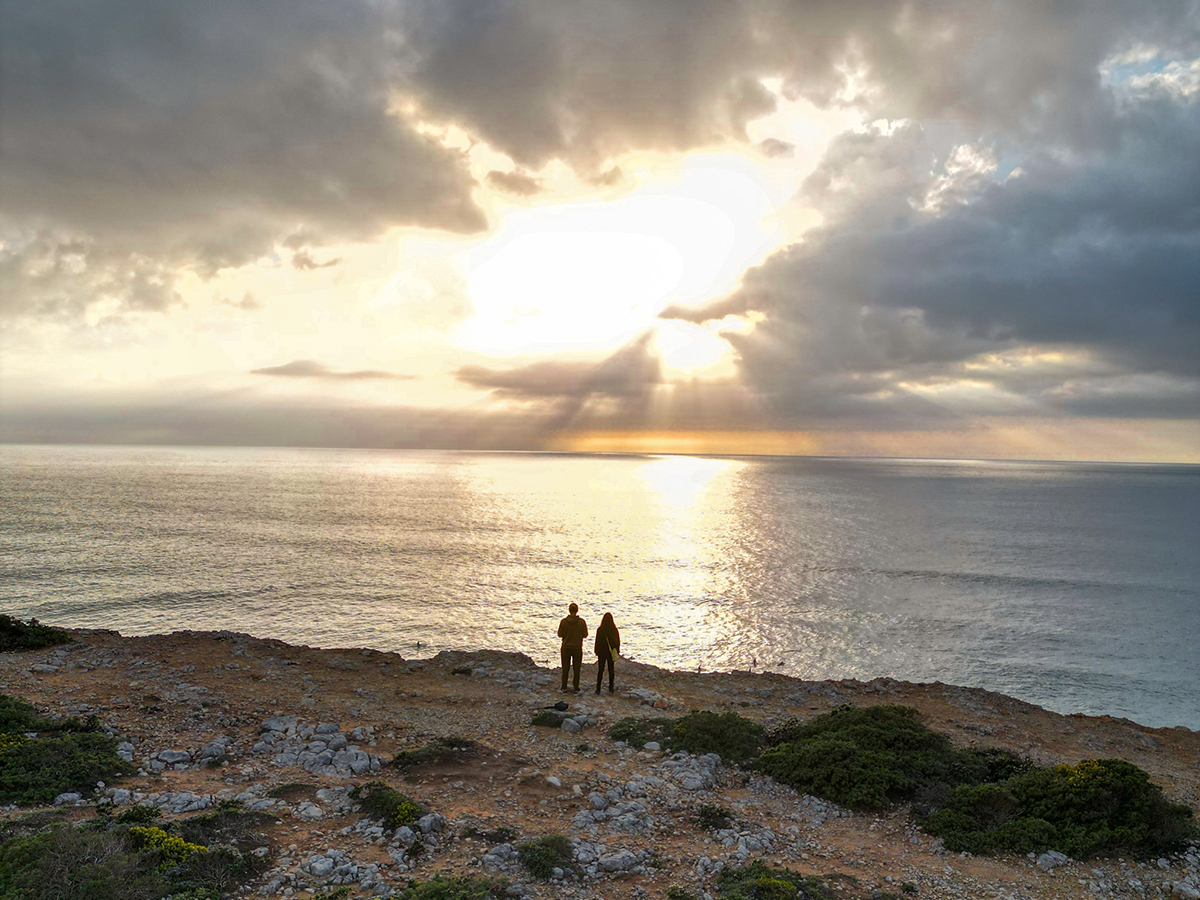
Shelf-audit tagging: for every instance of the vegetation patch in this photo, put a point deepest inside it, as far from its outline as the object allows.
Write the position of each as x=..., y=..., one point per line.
x=713, y=817
x=758, y=881
x=870, y=757
x=108, y=859
x=138, y=815
x=735, y=739
x=31, y=635
x=439, y=750
x=545, y=854
x=548, y=718
x=1099, y=806
x=639, y=732
x=62, y=755
x=981, y=801
x=293, y=791
x=228, y=825
x=456, y=887
x=387, y=804
x=500, y=835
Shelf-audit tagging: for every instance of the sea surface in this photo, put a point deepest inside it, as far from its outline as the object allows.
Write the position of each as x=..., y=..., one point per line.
x=1074, y=586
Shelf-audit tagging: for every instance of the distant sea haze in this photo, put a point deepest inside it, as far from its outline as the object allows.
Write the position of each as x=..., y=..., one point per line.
x=1073, y=586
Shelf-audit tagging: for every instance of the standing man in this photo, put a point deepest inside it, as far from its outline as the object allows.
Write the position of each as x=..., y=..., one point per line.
x=572, y=630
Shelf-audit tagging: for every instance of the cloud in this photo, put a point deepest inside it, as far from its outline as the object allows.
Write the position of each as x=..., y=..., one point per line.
x=172, y=135
x=514, y=183
x=939, y=284
x=630, y=372
x=198, y=135
x=776, y=148
x=303, y=259
x=310, y=368
x=248, y=303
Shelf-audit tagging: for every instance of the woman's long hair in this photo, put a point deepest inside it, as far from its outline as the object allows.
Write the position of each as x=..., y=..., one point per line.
x=607, y=621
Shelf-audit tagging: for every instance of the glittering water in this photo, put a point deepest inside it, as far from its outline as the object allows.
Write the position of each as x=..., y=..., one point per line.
x=1073, y=586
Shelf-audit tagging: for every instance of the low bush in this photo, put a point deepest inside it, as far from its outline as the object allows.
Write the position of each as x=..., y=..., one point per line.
x=117, y=861
x=758, y=881
x=137, y=815
x=387, y=804
x=293, y=791
x=63, y=755
x=735, y=739
x=548, y=718
x=36, y=770
x=713, y=817
x=227, y=825
x=1103, y=806
x=500, y=835
x=456, y=887
x=77, y=863
x=439, y=750
x=869, y=757
x=31, y=635
x=545, y=854
x=639, y=732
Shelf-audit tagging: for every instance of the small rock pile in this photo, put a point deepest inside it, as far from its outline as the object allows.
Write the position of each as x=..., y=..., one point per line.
x=322, y=749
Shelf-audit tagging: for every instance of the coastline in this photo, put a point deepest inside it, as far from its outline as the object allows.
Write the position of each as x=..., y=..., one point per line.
x=182, y=692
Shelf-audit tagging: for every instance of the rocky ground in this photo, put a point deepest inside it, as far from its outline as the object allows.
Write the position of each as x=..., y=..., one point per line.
x=290, y=730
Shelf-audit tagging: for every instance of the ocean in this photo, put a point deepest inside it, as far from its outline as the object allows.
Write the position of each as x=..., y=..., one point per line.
x=1074, y=586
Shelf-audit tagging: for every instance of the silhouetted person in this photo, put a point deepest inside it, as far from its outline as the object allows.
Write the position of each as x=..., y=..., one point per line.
x=608, y=643
x=572, y=630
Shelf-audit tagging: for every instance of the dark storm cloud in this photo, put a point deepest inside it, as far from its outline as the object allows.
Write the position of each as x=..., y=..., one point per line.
x=921, y=271
x=201, y=134
x=630, y=372
x=310, y=368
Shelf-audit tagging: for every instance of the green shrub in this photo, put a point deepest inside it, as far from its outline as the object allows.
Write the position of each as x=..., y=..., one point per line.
x=18, y=717
x=77, y=863
x=137, y=815
x=639, y=732
x=387, y=804
x=869, y=757
x=439, y=750
x=228, y=825
x=713, y=817
x=548, y=718
x=677, y=893
x=1103, y=806
x=293, y=791
x=543, y=855
x=31, y=635
x=36, y=770
x=735, y=739
x=456, y=887
x=758, y=881
x=501, y=835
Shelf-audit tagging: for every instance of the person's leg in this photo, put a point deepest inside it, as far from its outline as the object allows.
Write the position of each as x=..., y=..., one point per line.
x=578, y=653
x=599, y=672
x=566, y=664
x=612, y=672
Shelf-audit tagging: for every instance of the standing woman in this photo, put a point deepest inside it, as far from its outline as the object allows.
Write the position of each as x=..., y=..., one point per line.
x=608, y=643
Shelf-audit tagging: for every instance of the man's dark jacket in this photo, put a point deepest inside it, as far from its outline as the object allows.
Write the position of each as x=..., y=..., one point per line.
x=572, y=630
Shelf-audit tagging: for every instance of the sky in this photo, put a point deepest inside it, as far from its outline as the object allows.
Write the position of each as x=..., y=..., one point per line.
x=947, y=229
